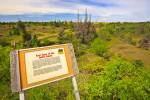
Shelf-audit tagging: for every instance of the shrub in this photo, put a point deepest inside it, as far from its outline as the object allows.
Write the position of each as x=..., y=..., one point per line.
x=138, y=63
x=4, y=41
x=99, y=47
x=5, y=92
x=120, y=80
x=47, y=43
x=34, y=41
x=105, y=34
x=14, y=31
x=78, y=47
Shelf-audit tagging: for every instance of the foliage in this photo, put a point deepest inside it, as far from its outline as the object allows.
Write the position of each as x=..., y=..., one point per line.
x=4, y=41
x=138, y=63
x=34, y=41
x=5, y=92
x=120, y=80
x=100, y=78
x=14, y=31
x=68, y=35
x=47, y=42
x=61, y=35
x=65, y=36
x=21, y=27
x=25, y=35
x=99, y=47
x=61, y=90
x=78, y=47
x=105, y=36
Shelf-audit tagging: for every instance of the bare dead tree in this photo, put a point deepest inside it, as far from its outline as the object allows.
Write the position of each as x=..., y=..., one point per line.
x=85, y=30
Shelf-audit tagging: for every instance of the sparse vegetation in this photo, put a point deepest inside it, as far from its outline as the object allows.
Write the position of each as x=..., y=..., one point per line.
x=120, y=80
x=111, y=65
x=99, y=47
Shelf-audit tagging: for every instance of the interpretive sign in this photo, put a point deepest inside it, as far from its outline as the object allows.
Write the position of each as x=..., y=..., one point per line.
x=43, y=65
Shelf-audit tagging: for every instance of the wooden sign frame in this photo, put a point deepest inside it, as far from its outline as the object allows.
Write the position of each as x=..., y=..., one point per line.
x=23, y=75
x=18, y=57
x=19, y=73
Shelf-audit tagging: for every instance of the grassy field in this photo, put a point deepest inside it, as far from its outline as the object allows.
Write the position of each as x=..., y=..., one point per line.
x=130, y=52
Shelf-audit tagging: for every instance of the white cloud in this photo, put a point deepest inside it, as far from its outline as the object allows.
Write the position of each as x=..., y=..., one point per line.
x=126, y=8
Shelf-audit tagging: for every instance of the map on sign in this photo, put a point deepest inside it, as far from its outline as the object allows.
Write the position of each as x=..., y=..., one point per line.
x=43, y=65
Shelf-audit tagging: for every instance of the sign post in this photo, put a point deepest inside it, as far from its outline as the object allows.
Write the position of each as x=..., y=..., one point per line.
x=38, y=66
x=75, y=88
x=21, y=95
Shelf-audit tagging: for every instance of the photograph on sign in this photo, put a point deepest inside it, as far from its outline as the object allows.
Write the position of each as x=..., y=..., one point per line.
x=43, y=65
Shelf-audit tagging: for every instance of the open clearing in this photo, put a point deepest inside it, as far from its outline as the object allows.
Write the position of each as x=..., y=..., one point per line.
x=130, y=52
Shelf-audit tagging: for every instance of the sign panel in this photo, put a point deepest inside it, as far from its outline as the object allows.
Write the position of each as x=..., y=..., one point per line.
x=44, y=64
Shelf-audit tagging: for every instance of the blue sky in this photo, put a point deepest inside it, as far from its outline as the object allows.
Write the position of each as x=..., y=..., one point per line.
x=101, y=10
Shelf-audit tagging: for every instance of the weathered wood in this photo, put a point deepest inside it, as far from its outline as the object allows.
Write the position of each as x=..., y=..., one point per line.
x=14, y=71
x=73, y=59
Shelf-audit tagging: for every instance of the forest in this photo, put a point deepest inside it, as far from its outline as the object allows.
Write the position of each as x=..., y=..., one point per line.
x=113, y=58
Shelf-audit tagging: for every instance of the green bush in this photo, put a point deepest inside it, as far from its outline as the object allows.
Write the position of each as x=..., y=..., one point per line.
x=47, y=43
x=14, y=31
x=120, y=80
x=5, y=89
x=4, y=41
x=78, y=47
x=34, y=41
x=99, y=47
x=138, y=63
x=105, y=34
